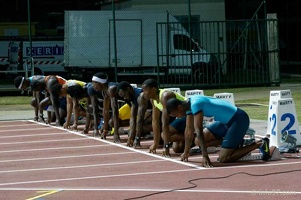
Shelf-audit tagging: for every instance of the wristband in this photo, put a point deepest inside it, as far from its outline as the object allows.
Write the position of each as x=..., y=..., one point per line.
x=168, y=145
x=137, y=138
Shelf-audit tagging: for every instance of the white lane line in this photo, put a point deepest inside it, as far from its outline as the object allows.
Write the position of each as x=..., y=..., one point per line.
x=264, y=164
x=25, y=129
x=11, y=121
x=15, y=125
x=125, y=147
x=253, y=192
x=55, y=148
x=81, y=166
x=146, y=153
x=64, y=157
x=33, y=135
x=43, y=141
x=165, y=158
x=259, y=104
x=118, y=175
x=97, y=177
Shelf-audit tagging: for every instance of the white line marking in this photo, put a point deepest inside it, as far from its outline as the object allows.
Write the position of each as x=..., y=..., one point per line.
x=33, y=135
x=55, y=148
x=28, y=129
x=81, y=166
x=114, y=175
x=254, y=192
x=64, y=157
x=97, y=177
x=43, y=141
x=14, y=125
x=12, y=121
x=259, y=104
x=128, y=148
x=80, y=178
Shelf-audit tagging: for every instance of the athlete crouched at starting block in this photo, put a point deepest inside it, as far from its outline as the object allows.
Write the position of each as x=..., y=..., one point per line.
x=135, y=112
x=228, y=130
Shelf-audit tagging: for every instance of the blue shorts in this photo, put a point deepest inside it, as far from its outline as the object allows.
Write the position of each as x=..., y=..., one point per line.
x=179, y=124
x=233, y=132
x=63, y=103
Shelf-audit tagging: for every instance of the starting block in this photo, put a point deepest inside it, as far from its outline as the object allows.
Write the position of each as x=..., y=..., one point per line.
x=249, y=136
x=189, y=93
x=177, y=90
x=225, y=96
x=282, y=118
x=280, y=94
x=274, y=96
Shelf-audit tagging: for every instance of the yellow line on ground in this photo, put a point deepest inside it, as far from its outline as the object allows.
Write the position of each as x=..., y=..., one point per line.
x=43, y=195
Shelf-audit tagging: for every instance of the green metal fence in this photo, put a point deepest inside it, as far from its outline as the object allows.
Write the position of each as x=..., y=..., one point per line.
x=223, y=53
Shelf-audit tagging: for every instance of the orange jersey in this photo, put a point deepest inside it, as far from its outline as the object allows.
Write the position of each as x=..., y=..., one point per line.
x=59, y=79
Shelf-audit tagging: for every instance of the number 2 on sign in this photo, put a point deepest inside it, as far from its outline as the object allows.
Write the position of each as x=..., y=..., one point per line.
x=290, y=124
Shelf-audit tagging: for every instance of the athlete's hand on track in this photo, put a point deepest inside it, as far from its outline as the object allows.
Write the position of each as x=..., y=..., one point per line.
x=152, y=149
x=41, y=119
x=206, y=162
x=66, y=125
x=57, y=123
x=85, y=131
x=95, y=133
x=104, y=134
x=137, y=143
x=165, y=152
x=116, y=138
x=129, y=142
x=184, y=157
x=74, y=127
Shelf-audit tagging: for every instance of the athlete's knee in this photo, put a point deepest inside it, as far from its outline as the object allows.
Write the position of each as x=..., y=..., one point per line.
x=34, y=102
x=225, y=155
x=178, y=147
x=111, y=123
x=223, y=158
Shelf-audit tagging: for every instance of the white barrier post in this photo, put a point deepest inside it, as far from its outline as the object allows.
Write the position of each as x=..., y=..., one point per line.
x=177, y=90
x=225, y=96
x=189, y=93
x=274, y=96
x=283, y=117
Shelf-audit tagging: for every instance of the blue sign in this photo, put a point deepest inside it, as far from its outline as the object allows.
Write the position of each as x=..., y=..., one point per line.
x=45, y=51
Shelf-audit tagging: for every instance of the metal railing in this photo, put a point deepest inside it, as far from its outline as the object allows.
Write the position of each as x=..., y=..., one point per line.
x=28, y=71
x=229, y=53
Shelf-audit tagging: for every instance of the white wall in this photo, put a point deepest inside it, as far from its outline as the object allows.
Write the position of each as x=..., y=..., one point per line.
x=209, y=10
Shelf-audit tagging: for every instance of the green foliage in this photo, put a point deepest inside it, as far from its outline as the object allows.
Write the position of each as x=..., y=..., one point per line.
x=257, y=108
x=15, y=100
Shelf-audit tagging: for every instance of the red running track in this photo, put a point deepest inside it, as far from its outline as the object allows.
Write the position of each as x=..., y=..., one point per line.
x=38, y=161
